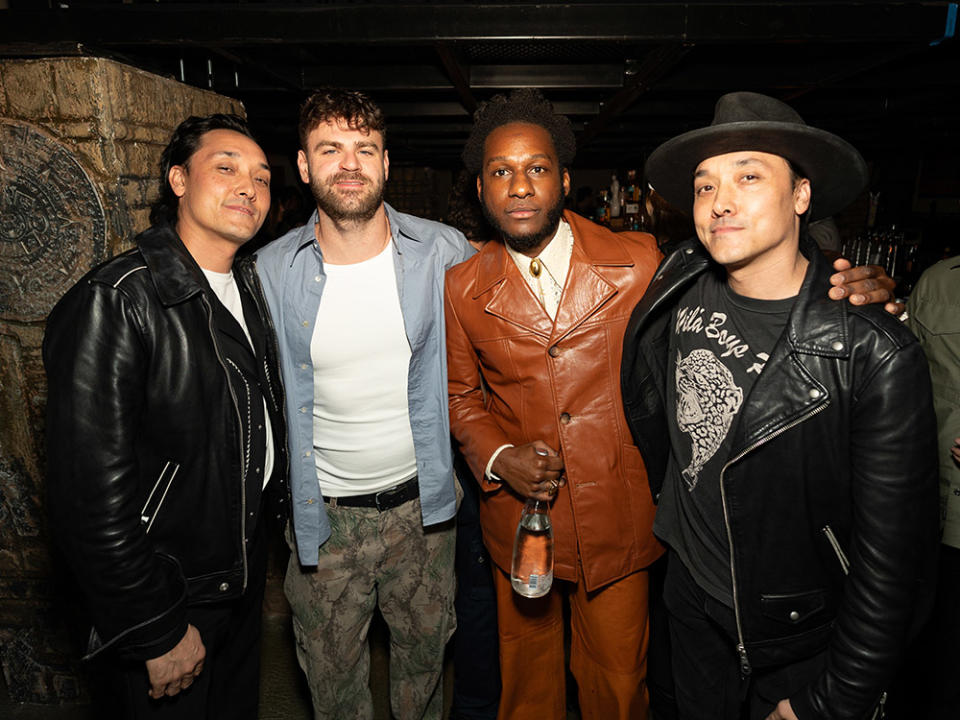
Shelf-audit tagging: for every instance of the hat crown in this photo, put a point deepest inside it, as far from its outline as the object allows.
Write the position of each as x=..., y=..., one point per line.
x=750, y=122
x=753, y=107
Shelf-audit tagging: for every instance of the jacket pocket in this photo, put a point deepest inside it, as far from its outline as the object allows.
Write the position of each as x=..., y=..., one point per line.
x=151, y=508
x=793, y=608
x=837, y=550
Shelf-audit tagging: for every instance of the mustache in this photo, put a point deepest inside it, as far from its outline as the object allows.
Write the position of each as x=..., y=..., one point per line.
x=348, y=177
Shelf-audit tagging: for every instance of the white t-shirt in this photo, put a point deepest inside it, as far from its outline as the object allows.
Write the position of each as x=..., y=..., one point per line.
x=361, y=358
x=225, y=288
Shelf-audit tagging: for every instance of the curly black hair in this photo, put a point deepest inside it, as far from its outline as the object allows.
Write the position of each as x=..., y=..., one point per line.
x=184, y=142
x=526, y=105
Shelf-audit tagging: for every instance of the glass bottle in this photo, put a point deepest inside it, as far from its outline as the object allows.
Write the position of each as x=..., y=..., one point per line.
x=531, y=572
x=614, y=196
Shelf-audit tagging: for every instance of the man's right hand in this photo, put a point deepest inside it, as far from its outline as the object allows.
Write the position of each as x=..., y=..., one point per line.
x=176, y=670
x=532, y=470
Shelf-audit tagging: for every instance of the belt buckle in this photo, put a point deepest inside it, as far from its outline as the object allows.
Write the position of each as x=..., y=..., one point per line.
x=376, y=500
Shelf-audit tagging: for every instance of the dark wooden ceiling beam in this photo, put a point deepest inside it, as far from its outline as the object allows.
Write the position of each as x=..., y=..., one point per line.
x=853, y=70
x=657, y=64
x=262, y=23
x=377, y=77
x=457, y=76
x=601, y=76
x=416, y=108
x=482, y=77
x=262, y=68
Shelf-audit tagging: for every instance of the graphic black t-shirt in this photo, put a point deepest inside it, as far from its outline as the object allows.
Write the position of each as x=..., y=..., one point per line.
x=719, y=343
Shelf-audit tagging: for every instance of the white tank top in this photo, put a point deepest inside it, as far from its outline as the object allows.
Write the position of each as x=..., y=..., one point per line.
x=361, y=357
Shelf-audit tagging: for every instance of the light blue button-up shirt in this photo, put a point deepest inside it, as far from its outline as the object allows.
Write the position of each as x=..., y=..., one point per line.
x=292, y=274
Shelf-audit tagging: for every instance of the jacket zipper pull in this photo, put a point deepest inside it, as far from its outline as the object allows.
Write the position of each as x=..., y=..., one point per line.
x=745, y=668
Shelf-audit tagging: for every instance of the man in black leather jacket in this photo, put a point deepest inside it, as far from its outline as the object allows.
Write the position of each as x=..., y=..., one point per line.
x=164, y=428
x=789, y=440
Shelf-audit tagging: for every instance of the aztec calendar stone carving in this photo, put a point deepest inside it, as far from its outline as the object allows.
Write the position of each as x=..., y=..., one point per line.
x=52, y=224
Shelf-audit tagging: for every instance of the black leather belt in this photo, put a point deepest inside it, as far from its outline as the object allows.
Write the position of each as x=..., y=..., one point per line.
x=383, y=500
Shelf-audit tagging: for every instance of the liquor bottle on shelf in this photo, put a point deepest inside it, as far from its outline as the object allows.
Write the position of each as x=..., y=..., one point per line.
x=631, y=201
x=614, y=196
x=603, y=209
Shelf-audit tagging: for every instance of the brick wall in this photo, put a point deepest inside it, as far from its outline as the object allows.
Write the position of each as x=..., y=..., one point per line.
x=80, y=139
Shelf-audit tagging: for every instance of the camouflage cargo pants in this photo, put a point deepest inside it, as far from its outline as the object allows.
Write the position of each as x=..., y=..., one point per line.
x=384, y=559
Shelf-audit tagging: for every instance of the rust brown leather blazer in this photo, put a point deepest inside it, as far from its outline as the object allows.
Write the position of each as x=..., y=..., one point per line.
x=558, y=382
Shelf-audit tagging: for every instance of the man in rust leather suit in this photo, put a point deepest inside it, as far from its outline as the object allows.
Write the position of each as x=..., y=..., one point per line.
x=548, y=349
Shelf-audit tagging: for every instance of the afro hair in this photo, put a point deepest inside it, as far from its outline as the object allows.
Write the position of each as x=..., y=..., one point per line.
x=526, y=105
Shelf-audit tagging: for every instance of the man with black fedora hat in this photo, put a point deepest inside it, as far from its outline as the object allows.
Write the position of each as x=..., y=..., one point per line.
x=789, y=440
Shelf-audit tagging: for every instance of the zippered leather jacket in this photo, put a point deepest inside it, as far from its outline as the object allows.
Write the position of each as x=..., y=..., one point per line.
x=830, y=489
x=145, y=470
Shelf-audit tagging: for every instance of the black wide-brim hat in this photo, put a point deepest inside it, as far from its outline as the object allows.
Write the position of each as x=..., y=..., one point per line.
x=750, y=121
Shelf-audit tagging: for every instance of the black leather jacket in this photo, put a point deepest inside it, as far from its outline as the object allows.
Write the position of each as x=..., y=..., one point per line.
x=140, y=402
x=832, y=469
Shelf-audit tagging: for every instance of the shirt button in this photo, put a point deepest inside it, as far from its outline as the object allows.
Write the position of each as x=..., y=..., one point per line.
x=224, y=586
x=307, y=453
x=303, y=366
x=794, y=615
x=310, y=501
x=553, y=351
x=565, y=418
x=815, y=393
x=306, y=323
x=303, y=409
x=837, y=345
x=318, y=278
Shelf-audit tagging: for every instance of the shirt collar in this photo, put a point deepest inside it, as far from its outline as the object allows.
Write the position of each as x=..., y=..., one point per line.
x=555, y=255
x=306, y=235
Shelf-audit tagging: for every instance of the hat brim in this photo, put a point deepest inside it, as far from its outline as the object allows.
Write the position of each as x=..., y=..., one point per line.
x=836, y=171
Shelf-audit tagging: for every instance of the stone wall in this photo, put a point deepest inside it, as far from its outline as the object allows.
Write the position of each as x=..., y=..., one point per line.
x=80, y=139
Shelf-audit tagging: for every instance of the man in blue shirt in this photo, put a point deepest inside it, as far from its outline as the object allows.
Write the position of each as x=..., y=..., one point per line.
x=356, y=295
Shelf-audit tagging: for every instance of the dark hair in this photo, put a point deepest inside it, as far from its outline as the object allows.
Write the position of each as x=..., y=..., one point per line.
x=525, y=105
x=464, y=211
x=353, y=107
x=668, y=224
x=184, y=142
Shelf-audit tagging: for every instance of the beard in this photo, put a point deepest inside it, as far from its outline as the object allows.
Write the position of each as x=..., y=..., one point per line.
x=523, y=243
x=352, y=206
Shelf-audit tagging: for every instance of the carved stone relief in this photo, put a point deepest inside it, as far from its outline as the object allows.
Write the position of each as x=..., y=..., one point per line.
x=52, y=222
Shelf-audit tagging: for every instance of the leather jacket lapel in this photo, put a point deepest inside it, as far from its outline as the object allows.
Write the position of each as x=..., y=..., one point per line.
x=798, y=395
x=816, y=326
x=512, y=299
x=173, y=270
x=585, y=292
